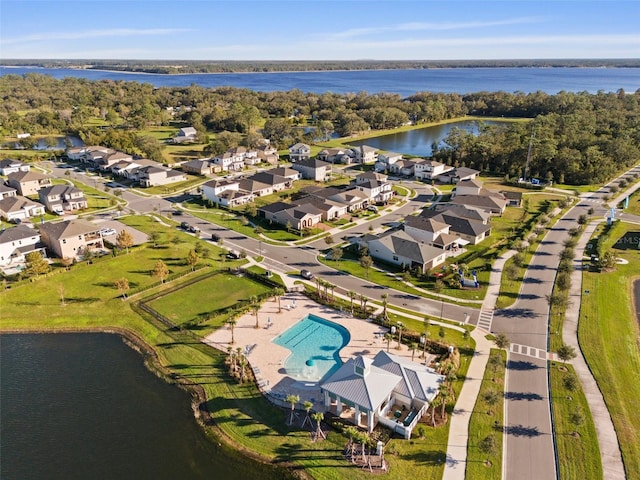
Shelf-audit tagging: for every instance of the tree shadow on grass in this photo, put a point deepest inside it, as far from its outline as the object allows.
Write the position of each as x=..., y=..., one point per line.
x=427, y=457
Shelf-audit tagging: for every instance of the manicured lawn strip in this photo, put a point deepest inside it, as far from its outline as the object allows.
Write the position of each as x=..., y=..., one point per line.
x=608, y=334
x=487, y=420
x=634, y=204
x=579, y=455
x=202, y=298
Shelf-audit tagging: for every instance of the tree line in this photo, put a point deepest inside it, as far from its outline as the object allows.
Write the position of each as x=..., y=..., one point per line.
x=576, y=138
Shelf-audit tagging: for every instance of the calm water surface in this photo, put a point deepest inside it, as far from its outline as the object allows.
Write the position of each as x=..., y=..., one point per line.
x=83, y=406
x=420, y=141
x=402, y=82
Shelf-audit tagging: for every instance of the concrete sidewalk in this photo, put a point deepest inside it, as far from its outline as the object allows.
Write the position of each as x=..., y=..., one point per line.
x=456, y=462
x=612, y=466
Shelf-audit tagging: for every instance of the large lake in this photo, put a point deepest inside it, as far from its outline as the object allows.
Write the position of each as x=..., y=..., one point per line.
x=83, y=406
x=403, y=82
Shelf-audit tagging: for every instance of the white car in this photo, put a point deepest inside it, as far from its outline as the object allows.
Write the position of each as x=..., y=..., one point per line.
x=105, y=232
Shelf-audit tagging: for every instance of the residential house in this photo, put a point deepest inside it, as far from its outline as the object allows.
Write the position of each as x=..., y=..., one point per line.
x=330, y=209
x=228, y=161
x=28, y=183
x=313, y=169
x=257, y=188
x=403, y=167
x=226, y=193
x=397, y=247
x=430, y=169
x=335, y=155
x=385, y=160
x=249, y=157
x=375, y=190
x=268, y=154
x=61, y=199
x=367, y=176
x=470, y=192
x=19, y=208
x=9, y=165
x=458, y=174
x=375, y=390
x=286, y=172
x=462, y=211
x=299, y=152
x=83, y=154
x=105, y=162
x=431, y=232
x=488, y=203
x=71, y=238
x=350, y=197
x=17, y=242
x=186, y=134
x=276, y=182
x=471, y=231
x=298, y=217
x=365, y=154
x=514, y=199
x=155, y=176
x=198, y=167
x=7, y=191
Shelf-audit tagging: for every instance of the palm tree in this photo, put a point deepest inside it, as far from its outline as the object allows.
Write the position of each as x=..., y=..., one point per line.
x=231, y=321
x=256, y=308
x=292, y=400
x=243, y=368
x=435, y=403
x=388, y=337
x=363, y=299
x=384, y=298
x=332, y=287
x=501, y=341
x=400, y=327
x=352, y=296
x=425, y=335
x=318, y=417
x=278, y=292
x=413, y=347
x=307, y=407
x=445, y=396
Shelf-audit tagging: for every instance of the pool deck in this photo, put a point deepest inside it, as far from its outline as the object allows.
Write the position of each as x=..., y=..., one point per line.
x=267, y=359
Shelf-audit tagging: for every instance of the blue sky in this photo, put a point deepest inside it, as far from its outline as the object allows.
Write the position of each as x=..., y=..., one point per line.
x=319, y=30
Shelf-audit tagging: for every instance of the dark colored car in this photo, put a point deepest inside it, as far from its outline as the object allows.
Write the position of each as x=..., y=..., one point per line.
x=306, y=274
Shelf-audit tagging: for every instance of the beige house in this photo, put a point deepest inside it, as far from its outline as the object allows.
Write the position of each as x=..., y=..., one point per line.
x=299, y=152
x=313, y=169
x=19, y=208
x=156, y=176
x=60, y=199
x=71, y=238
x=28, y=183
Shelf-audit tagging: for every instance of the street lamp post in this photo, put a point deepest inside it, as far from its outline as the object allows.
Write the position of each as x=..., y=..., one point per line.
x=441, y=308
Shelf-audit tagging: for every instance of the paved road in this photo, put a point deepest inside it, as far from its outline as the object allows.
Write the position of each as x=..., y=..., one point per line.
x=529, y=448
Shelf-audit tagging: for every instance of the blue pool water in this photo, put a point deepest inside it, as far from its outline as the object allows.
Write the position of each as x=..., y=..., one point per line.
x=315, y=344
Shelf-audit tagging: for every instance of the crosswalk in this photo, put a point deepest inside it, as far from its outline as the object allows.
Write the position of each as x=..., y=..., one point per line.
x=485, y=319
x=529, y=351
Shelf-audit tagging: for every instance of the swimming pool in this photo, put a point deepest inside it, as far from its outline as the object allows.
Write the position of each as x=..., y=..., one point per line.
x=314, y=344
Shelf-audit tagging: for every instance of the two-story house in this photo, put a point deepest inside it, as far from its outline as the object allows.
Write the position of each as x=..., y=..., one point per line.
x=61, y=199
x=28, y=183
x=228, y=161
x=9, y=165
x=71, y=238
x=152, y=176
x=365, y=154
x=299, y=152
x=226, y=193
x=17, y=242
x=19, y=208
x=313, y=169
x=429, y=169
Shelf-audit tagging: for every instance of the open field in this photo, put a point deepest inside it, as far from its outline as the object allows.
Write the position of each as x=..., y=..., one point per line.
x=608, y=333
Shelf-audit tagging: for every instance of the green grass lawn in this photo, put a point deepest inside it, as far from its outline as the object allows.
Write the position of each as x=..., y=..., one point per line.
x=486, y=420
x=634, y=204
x=579, y=455
x=608, y=333
x=205, y=297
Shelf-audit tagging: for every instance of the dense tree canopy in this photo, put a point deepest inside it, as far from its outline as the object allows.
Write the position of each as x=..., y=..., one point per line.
x=576, y=137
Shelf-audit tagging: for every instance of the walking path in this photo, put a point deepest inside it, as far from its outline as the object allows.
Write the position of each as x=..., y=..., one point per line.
x=612, y=465
x=456, y=462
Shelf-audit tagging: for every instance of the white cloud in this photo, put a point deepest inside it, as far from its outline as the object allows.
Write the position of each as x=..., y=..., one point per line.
x=436, y=26
x=113, y=32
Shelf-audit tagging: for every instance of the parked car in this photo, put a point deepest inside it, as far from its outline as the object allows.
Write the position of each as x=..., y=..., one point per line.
x=372, y=208
x=215, y=237
x=105, y=232
x=306, y=274
x=234, y=254
x=185, y=226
